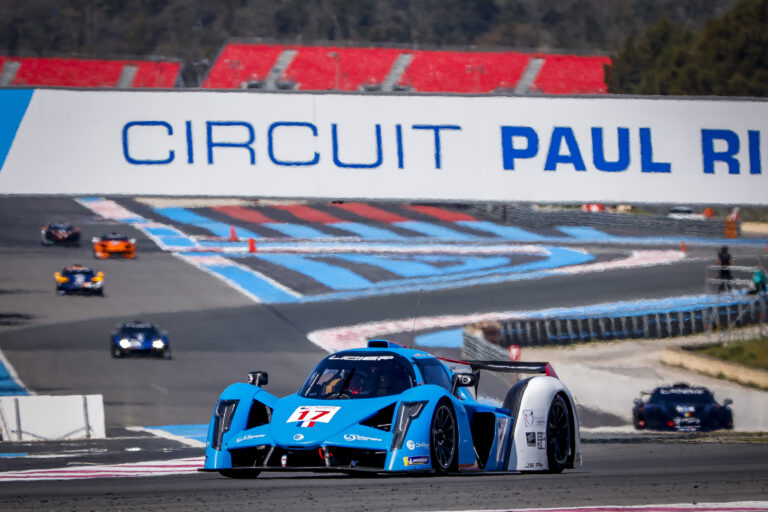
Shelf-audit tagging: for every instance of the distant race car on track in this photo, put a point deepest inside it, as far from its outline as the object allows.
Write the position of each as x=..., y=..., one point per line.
x=682, y=408
x=79, y=279
x=61, y=233
x=114, y=244
x=386, y=408
x=139, y=338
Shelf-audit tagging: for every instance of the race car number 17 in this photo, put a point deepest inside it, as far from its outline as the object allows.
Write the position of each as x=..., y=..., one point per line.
x=308, y=415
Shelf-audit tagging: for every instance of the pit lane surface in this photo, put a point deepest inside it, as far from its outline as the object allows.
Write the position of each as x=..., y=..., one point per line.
x=59, y=345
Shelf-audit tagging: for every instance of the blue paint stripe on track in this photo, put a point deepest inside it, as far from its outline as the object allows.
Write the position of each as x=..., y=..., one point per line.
x=220, y=229
x=13, y=455
x=585, y=233
x=402, y=267
x=434, y=230
x=335, y=278
x=450, y=338
x=296, y=230
x=366, y=231
x=252, y=283
x=505, y=232
x=197, y=432
x=8, y=385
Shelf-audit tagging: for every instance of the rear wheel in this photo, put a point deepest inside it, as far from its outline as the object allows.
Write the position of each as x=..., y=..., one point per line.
x=443, y=437
x=559, y=434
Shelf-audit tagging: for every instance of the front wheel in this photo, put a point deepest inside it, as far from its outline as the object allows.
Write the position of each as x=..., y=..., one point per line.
x=559, y=435
x=443, y=438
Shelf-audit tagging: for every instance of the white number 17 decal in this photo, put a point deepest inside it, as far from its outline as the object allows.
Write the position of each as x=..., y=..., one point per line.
x=308, y=415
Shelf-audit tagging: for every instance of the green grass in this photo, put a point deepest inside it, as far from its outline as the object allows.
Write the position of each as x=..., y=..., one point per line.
x=753, y=353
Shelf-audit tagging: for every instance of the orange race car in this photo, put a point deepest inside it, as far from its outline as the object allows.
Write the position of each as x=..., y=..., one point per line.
x=114, y=244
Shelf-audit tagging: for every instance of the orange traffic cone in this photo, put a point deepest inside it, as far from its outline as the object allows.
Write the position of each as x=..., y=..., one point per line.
x=251, y=245
x=232, y=234
x=684, y=248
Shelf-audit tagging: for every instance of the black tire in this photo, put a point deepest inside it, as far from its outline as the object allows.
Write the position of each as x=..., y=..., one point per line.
x=559, y=436
x=166, y=353
x=444, y=438
x=115, y=351
x=239, y=473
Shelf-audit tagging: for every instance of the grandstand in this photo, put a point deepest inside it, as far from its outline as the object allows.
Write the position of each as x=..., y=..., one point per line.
x=71, y=72
x=330, y=68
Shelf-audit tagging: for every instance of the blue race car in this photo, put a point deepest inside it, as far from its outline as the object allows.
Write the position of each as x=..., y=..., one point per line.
x=386, y=408
x=79, y=279
x=139, y=338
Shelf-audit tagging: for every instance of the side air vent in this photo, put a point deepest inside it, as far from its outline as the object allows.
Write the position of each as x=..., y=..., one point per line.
x=259, y=415
x=382, y=420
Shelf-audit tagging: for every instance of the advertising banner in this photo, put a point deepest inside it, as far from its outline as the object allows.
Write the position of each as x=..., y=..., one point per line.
x=379, y=147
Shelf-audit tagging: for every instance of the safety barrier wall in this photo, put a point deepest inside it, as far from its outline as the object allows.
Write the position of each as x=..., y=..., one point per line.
x=402, y=147
x=562, y=331
x=48, y=418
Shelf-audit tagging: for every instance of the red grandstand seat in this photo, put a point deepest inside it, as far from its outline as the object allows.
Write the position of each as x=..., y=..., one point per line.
x=155, y=73
x=463, y=72
x=66, y=72
x=238, y=63
x=569, y=74
x=320, y=68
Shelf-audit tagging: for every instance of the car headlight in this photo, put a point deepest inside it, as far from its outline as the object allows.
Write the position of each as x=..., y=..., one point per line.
x=125, y=343
x=222, y=419
x=407, y=412
x=158, y=343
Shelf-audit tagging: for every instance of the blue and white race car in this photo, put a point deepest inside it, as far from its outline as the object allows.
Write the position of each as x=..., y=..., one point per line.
x=386, y=408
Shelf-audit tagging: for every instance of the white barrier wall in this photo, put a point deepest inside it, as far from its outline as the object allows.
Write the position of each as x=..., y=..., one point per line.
x=48, y=418
x=342, y=146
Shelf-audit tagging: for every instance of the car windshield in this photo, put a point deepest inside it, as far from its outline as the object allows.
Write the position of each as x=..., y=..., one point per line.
x=87, y=273
x=121, y=238
x=682, y=396
x=359, y=375
x=133, y=331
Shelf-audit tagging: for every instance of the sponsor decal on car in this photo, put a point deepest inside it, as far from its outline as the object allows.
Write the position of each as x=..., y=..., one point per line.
x=541, y=441
x=248, y=437
x=416, y=461
x=309, y=415
x=297, y=437
x=530, y=418
x=361, y=358
x=357, y=437
x=530, y=438
x=412, y=445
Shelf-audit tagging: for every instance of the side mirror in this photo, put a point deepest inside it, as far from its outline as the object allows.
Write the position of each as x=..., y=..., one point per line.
x=258, y=378
x=638, y=401
x=727, y=402
x=463, y=380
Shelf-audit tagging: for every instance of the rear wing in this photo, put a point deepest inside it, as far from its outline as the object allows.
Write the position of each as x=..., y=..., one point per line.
x=509, y=366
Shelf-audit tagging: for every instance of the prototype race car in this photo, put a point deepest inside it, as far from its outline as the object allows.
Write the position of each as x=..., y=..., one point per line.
x=139, y=338
x=62, y=233
x=79, y=279
x=113, y=244
x=682, y=408
x=386, y=408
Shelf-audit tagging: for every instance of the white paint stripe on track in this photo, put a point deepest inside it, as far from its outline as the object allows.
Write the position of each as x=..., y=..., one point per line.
x=740, y=506
x=167, y=435
x=132, y=469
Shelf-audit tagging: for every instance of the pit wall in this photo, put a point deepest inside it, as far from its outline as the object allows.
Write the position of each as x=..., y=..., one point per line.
x=370, y=146
x=51, y=418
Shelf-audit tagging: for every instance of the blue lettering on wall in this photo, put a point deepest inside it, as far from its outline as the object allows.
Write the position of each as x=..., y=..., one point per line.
x=399, y=139
x=270, y=144
x=190, y=153
x=245, y=145
x=136, y=161
x=339, y=163
x=508, y=150
x=646, y=154
x=710, y=156
x=436, y=128
x=755, y=167
x=598, y=151
x=573, y=157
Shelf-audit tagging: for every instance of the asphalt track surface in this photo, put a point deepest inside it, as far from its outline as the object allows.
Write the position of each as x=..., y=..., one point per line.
x=58, y=345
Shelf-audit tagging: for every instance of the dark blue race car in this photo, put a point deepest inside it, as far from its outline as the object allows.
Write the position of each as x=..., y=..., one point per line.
x=79, y=279
x=386, y=408
x=61, y=233
x=139, y=338
x=683, y=408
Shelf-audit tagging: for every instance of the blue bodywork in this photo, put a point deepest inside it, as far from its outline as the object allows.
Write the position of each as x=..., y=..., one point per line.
x=252, y=430
x=139, y=338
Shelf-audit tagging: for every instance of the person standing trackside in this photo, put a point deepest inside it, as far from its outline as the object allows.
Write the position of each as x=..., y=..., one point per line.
x=725, y=260
x=759, y=280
